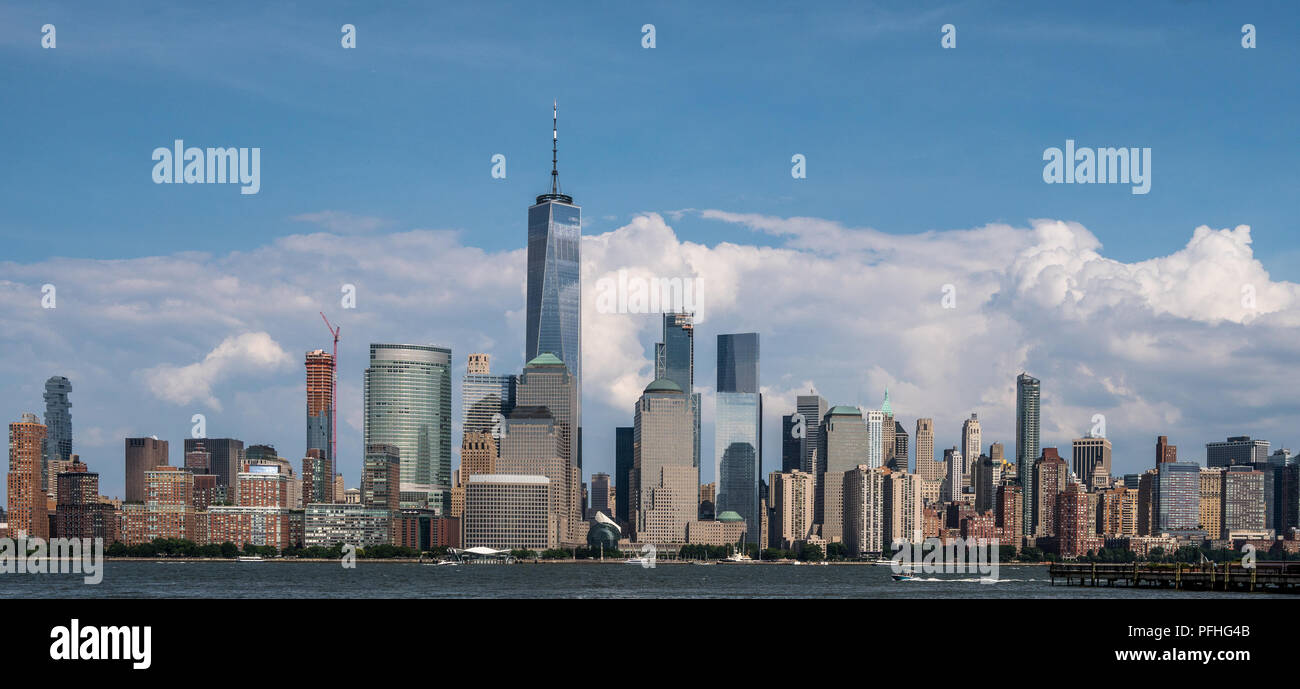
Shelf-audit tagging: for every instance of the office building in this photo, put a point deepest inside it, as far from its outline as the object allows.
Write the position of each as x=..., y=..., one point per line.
x=600, y=496
x=624, y=459
x=1242, y=490
x=971, y=446
x=926, y=467
x=381, y=477
x=900, y=460
x=318, y=478
x=1211, y=502
x=483, y=396
x=812, y=408
x=143, y=455
x=843, y=436
x=665, y=481
x=875, y=421
x=531, y=446
x=791, y=496
x=1164, y=451
x=864, y=509
x=408, y=404
x=1177, y=492
x=1235, y=451
x=1091, y=460
x=509, y=511
x=328, y=525
x=226, y=455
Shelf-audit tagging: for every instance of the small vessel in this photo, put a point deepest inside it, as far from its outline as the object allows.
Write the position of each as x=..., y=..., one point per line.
x=703, y=562
x=249, y=558
x=903, y=577
x=738, y=557
x=883, y=561
x=643, y=561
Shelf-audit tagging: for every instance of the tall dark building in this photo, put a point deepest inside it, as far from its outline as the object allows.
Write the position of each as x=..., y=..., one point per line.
x=738, y=362
x=58, y=424
x=791, y=447
x=900, y=460
x=554, y=291
x=738, y=430
x=623, y=457
x=225, y=456
x=1164, y=451
x=1028, y=392
x=142, y=454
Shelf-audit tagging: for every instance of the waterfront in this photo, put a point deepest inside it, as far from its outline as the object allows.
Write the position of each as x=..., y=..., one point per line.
x=228, y=579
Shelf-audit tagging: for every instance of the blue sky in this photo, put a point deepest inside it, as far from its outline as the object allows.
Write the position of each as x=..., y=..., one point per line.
x=901, y=137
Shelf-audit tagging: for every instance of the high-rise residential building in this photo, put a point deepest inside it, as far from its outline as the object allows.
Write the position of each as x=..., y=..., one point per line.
x=1050, y=476
x=1164, y=451
x=864, y=509
x=28, y=510
x=843, y=436
x=1177, y=493
x=875, y=421
x=381, y=477
x=1146, y=503
x=1242, y=490
x=321, y=379
x=954, y=481
x=318, y=479
x=624, y=459
x=738, y=430
x=900, y=460
x=483, y=395
x=143, y=455
x=339, y=489
x=665, y=481
x=167, y=510
x=790, y=497
x=600, y=495
x=1237, y=450
x=812, y=408
x=791, y=446
x=1211, y=504
x=986, y=477
x=926, y=467
x=903, y=504
x=531, y=445
x=58, y=427
x=887, y=425
x=971, y=445
x=1076, y=534
x=226, y=456
x=1091, y=460
x=1117, y=511
x=80, y=513
x=554, y=290
x=508, y=511
x=1009, y=512
x=408, y=404
x=1028, y=393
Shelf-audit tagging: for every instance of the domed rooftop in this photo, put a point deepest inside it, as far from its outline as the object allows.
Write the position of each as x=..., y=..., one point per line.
x=663, y=385
x=730, y=516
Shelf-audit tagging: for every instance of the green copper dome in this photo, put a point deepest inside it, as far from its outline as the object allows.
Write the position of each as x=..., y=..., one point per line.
x=887, y=407
x=730, y=516
x=546, y=359
x=663, y=385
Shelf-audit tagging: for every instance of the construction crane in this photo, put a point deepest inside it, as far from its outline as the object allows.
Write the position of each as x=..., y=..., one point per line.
x=334, y=390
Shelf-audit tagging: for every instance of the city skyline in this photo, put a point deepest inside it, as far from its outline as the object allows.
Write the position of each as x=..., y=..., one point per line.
x=1185, y=331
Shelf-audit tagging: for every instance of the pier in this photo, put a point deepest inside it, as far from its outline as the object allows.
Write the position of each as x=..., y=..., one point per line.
x=1276, y=577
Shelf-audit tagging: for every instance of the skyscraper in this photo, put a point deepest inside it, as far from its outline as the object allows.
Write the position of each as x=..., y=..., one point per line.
x=1091, y=460
x=738, y=359
x=483, y=395
x=875, y=421
x=408, y=404
x=546, y=382
x=1236, y=451
x=970, y=444
x=1177, y=489
x=926, y=467
x=1028, y=391
x=1164, y=451
x=812, y=408
x=1050, y=477
x=675, y=361
x=381, y=477
x=738, y=429
x=600, y=495
x=531, y=446
x=224, y=458
x=554, y=308
x=624, y=458
x=320, y=403
x=27, y=507
x=791, y=447
x=900, y=461
x=58, y=425
x=666, y=484
x=144, y=455
x=843, y=437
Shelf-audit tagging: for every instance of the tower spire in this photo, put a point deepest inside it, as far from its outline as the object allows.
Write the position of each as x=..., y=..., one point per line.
x=555, y=139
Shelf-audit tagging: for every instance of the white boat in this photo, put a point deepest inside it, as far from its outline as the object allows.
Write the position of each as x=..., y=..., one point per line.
x=249, y=558
x=644, y=562
x=739, y=557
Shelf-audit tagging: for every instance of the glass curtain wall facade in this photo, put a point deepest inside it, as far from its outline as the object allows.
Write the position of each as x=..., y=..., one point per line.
x=408, y=404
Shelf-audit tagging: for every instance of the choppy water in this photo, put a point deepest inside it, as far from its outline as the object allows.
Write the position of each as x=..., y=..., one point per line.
x=150, y=579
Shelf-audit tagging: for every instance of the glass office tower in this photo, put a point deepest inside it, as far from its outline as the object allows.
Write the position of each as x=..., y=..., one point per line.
x=675, y=361
x=738, y=429
x=554, y=309
x=408, y=404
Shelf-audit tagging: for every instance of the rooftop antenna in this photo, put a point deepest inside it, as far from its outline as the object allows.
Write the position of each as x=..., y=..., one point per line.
x=555, y=139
